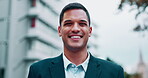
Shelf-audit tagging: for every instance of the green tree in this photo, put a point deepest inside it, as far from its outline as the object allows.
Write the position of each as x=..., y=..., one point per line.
x=126, y=75
x=136, y=75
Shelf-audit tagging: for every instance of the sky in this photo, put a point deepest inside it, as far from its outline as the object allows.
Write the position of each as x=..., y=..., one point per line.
x=116, y=37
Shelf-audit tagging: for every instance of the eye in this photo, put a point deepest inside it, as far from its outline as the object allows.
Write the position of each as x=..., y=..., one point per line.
x=82, y=24
x=67, y=24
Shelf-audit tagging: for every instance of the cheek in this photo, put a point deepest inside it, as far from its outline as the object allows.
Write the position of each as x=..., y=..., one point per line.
x=64, y=32
x=86, y=30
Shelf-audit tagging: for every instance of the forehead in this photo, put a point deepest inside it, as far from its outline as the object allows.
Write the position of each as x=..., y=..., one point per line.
x=75, y=14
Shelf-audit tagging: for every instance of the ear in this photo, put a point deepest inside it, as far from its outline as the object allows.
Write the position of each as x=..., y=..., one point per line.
x=90, y=31
x=59, y=31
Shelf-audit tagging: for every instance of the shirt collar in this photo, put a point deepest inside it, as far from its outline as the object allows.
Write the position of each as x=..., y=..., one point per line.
x=84, y=64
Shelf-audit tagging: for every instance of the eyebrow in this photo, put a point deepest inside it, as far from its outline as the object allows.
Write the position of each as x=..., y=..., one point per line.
x=83, y=21
x=71, y=20
x=67, y=21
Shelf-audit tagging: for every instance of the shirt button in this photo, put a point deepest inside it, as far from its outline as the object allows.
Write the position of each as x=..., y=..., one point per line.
x=76, y=69
x=72, y=66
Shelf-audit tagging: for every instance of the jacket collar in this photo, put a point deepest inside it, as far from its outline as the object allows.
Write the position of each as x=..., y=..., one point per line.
x=94, y=68
x=57, y=67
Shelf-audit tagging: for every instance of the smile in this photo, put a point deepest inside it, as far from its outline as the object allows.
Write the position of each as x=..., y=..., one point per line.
x=74, y=37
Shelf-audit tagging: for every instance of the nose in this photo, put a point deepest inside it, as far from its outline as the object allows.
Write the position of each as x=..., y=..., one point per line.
x=75, y=28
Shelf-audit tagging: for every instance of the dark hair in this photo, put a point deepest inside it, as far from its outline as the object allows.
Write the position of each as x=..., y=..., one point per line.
x=73, y=6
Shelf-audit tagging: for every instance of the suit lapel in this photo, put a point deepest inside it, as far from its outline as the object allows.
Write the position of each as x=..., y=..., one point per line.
x=57, y=68
x=93, y=70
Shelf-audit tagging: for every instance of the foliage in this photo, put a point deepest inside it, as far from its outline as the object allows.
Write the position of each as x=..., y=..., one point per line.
x=141, y=5
x=126, y=75
x=136, y=75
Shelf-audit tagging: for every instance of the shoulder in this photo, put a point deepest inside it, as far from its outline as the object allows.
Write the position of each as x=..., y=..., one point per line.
x=42, y=67
x=107, y=64
x=108, y=69
x=46, y=62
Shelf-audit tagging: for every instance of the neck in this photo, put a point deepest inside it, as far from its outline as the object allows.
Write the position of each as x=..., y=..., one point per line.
x=76, y=57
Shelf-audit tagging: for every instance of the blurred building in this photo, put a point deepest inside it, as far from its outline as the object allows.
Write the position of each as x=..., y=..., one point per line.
x=28, y=32
x=142, y=67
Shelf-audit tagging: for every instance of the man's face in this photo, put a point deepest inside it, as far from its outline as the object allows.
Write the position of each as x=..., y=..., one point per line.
x=75, y=29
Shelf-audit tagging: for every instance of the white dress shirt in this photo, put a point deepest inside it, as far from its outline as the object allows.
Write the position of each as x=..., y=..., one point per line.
x=73, y=71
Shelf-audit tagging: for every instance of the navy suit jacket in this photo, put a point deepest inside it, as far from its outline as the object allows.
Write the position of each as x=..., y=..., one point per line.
x=54, y=68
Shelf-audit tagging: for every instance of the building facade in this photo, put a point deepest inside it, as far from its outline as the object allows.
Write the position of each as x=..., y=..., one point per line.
x=28, y=32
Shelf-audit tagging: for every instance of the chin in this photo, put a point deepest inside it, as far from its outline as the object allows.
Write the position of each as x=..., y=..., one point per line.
x=76, y=45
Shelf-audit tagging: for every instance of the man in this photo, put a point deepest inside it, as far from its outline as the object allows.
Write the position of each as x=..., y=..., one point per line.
x=76, y=61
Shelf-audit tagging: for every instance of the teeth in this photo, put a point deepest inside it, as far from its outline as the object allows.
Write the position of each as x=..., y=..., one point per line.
x=75, y=37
